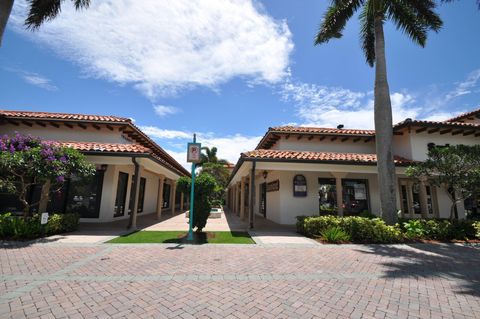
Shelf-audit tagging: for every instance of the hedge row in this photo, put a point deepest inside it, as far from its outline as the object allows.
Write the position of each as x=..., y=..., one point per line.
x=20, y=228
x=374, y=230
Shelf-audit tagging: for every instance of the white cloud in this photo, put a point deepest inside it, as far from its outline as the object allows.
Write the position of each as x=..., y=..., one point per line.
x=165, y=110
x=465, y=87
x=33, y=78
x=159, y=133
x=229, y=146
x=39, y=81
x=161, y=47
x=324, y=106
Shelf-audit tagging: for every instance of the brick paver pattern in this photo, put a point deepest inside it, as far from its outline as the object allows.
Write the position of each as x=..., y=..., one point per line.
x=235, y=281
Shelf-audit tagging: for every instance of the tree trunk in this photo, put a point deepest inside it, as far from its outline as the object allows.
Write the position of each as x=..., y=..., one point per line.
x=5, y=9
x=384, y=130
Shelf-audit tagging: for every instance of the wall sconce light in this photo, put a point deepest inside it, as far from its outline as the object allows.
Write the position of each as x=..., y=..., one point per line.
x=265, y=174
x=101, y=168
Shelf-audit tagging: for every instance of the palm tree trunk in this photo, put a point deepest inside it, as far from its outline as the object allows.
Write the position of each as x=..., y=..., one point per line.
x=383, y=127
x=5, y=9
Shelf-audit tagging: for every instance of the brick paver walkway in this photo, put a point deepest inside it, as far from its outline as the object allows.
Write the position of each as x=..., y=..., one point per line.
x=234, y=281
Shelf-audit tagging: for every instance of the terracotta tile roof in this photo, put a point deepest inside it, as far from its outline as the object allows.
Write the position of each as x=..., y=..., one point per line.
x=61, y=116
x=106, y=147
x=464, y=115
x=137, y=135
x=410, y=122
x=320, y=130
x=318, y=156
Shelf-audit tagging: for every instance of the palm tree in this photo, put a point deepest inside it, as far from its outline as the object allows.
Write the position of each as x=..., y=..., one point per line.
x=415, y=18
x=40, y=11
x=210, y=156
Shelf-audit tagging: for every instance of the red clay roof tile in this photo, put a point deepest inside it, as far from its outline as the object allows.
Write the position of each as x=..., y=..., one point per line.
x=62, y=116
x=106, y=147
x=318, y=156
x=320, y=130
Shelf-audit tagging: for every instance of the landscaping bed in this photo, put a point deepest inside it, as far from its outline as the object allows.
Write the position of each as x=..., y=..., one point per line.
x=21, y=228
x=180, y=237
x=354, y=229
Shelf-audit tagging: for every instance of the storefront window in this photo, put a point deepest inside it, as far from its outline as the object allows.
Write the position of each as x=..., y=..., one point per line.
x=166, y=195
x=327, y=196
x=355, y=196
x=121, y=197
x=407, y=186
x=141, y=195
x=84, y=195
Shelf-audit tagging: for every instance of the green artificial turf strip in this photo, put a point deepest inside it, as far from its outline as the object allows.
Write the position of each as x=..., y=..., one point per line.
x=177, y=237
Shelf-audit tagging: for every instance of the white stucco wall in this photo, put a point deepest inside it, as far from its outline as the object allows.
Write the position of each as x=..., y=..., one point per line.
x=327, y=145
x=63, y=133
x=420, y=142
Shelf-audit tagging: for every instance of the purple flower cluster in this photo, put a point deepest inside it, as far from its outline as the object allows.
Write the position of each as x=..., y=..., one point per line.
x=54, y=157
x=18, y=143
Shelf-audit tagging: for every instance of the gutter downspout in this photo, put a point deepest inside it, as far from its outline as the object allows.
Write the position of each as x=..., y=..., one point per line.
x=252, y=193
x=132, y=224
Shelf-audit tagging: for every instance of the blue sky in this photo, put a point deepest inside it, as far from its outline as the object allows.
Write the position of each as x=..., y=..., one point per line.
x=228, y=70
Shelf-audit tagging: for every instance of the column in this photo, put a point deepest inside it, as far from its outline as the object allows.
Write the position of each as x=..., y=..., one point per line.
x=423, y=197
x=161, y=181
x=251, y=201
x=339, y=190
x=234, y=199
x=42, y=206
x=134, y=195
x=173, y=195
x=410, y=198
x=242, y=198
x=181, y=203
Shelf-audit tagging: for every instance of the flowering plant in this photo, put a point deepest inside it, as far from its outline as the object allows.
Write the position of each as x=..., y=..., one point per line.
x=26, y=161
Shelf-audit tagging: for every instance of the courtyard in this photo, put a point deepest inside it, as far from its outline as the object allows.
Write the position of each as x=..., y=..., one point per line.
x=58, y=280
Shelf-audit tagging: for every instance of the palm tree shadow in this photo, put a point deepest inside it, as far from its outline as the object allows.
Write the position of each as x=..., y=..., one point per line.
x=452, y=262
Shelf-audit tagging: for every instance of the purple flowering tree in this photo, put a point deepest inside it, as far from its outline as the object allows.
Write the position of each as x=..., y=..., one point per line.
x=26, y=161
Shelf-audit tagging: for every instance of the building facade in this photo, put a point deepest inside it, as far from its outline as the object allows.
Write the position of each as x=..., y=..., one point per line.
x=133, y=173
x=309, y=170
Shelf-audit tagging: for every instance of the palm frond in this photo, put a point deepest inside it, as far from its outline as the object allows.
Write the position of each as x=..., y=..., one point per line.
x=45, y=10
x=367, y=34
x=424, y=10
x=335, y=19
x=407, y=20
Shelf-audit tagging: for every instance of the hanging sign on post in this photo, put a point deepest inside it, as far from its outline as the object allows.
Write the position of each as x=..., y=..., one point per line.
x=193, y=153
x=193, y=156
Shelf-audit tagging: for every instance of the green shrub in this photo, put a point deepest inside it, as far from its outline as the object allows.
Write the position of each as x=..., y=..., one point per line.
x=359, y=229
x=335, y=234
x=476, y=226
x=22, y=228
x=367, y=214
x=438, y=229
x=414, y=229
x=204, y=193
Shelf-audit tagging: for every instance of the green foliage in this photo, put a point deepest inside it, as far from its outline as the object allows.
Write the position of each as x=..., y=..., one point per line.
x=335, y=234
x=414, y=18
x=414, y=229
x=456, y=169
x=26, y=161
x=476, y=226
x=359, y=229
x=367, y=214
x=221, y=175
x=366, y=230
x=22, y=228
x=204, y=194
x=438, y=229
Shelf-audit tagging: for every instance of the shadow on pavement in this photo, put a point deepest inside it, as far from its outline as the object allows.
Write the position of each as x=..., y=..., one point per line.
x=454, y=262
